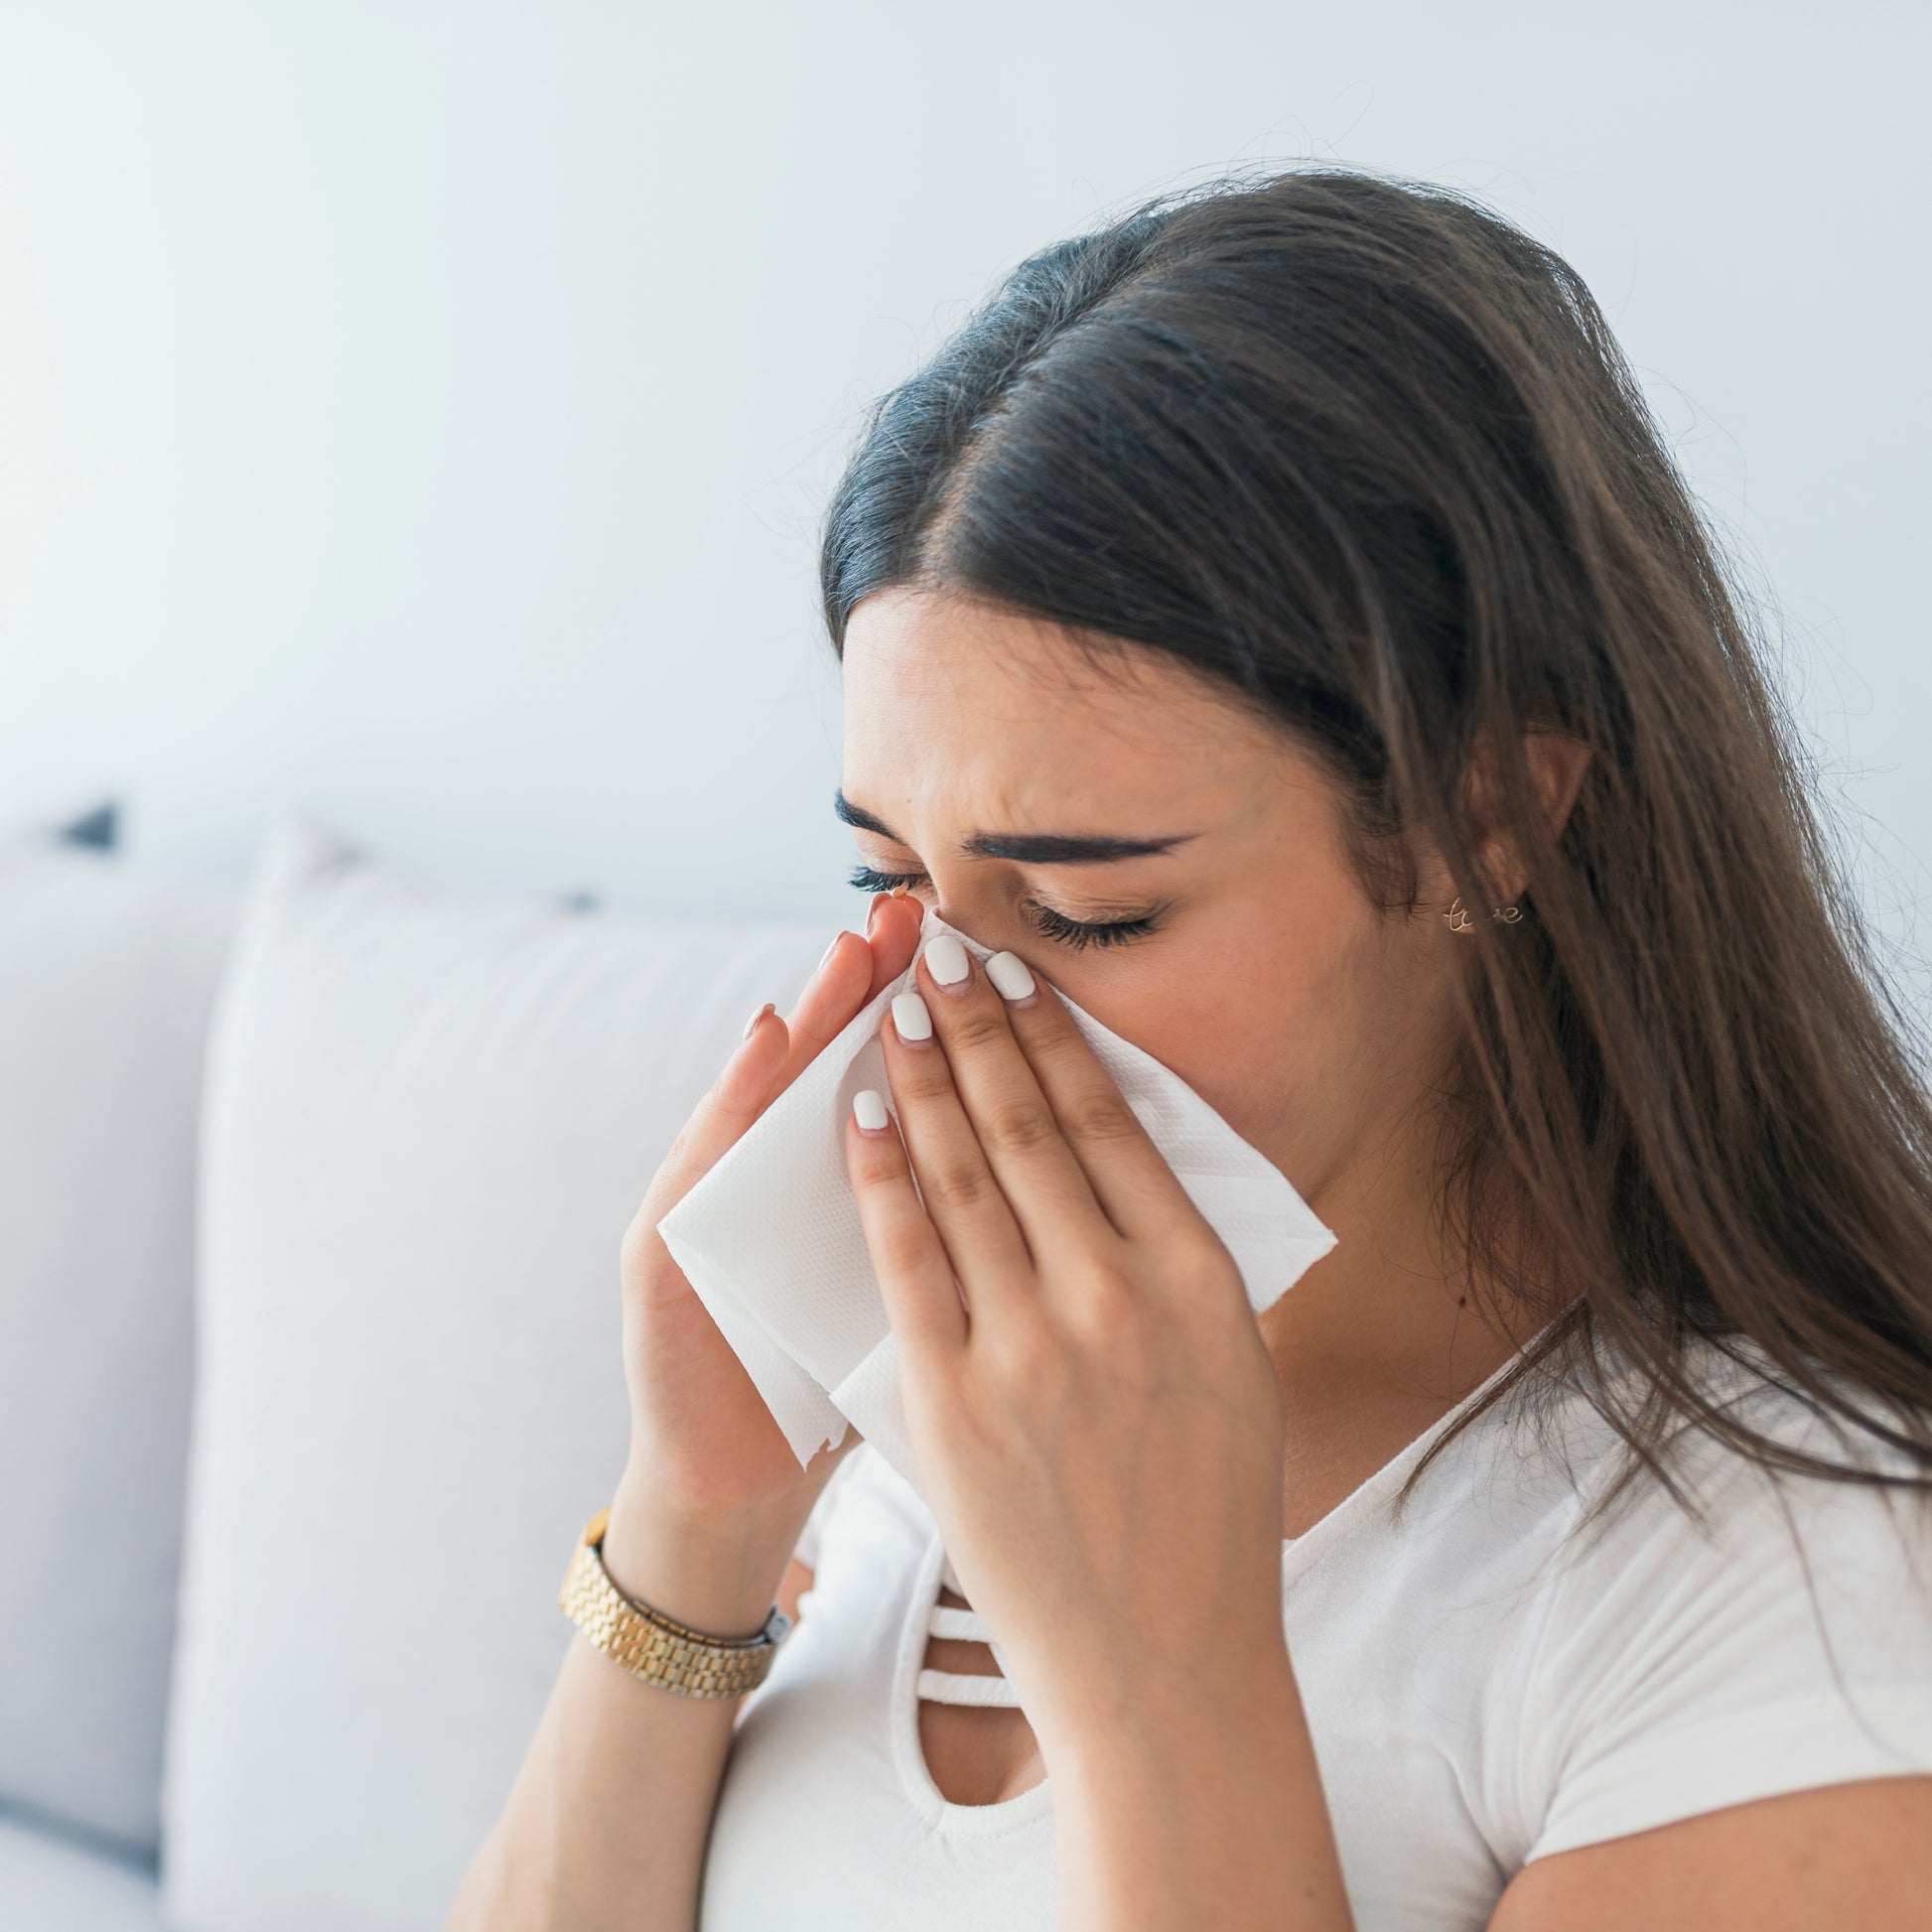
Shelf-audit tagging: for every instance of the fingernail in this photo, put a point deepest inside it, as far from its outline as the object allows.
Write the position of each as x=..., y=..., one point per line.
x=910, y=1018
x=1010, y=977
x=869, y=1110
x=828, y=952
x=751, y=1024
x=872, y=911
x=946, y=961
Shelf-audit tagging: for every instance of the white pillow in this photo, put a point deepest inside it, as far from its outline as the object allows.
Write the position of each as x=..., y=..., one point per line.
x=429, y=1121
x=106, y=978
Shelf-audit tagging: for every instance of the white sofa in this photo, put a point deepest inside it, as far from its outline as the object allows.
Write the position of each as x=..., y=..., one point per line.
x=311, y=1198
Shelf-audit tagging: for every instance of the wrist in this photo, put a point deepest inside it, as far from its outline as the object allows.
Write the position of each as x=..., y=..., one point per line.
x=1143, y=1723
x=1100, y=1713
x=718, y=1571
x=1198, y=1804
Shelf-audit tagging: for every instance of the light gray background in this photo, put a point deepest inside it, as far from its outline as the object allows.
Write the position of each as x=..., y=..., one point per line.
x=421, y=413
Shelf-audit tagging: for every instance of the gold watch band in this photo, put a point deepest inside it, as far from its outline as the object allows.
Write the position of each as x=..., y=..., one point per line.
x=654, y=1646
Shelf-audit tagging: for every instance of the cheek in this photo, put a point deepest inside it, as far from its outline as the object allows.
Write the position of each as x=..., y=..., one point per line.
x=1270, y=1023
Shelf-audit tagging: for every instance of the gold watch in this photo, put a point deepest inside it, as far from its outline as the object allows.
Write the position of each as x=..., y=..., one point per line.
x=654, y=1646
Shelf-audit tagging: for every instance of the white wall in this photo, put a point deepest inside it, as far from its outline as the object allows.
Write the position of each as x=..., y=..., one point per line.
x=420, y=411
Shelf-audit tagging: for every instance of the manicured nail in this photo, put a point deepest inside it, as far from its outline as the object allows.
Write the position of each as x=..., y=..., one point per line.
x=946, y=961
x=911, y=1019
x=828, y=952
x=1010, y=977
x=871, y=910
x=751, y=1024
x=869, y=1110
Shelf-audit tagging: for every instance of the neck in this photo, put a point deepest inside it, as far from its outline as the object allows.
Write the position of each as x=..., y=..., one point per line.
x=1385, y=1334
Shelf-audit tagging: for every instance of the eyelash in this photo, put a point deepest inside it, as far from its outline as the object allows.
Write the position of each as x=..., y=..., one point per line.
x=1051, y=926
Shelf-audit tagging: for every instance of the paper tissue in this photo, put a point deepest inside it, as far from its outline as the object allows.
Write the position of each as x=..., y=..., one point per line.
x=770, y=1239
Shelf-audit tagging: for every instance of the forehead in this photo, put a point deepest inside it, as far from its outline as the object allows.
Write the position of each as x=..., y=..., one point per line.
x=952, y=704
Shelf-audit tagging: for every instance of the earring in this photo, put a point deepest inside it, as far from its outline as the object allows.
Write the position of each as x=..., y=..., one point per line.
x=1458, y=917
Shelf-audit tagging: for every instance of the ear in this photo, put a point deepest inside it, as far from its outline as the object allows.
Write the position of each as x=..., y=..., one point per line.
x=1557, y=764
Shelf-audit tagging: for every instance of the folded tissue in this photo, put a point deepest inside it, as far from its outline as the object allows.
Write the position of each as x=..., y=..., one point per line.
x=771, y=1244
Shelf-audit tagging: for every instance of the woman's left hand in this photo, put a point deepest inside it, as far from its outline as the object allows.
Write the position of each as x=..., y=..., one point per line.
x=1097, y=1422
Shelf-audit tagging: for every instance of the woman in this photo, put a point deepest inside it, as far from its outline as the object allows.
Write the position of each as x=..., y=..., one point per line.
x=1273, y=623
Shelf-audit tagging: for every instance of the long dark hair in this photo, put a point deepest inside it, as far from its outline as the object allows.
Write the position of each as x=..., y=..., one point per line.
x=1369, y=457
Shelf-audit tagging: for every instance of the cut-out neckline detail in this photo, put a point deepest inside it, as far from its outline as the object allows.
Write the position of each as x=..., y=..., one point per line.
x=964, y=1625
x=924, y=1617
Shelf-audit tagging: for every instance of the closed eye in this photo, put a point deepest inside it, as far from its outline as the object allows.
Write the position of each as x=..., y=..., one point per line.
x=1051, y=924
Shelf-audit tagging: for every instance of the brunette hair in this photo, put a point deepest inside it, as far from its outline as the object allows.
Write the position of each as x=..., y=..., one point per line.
x=1368, y=456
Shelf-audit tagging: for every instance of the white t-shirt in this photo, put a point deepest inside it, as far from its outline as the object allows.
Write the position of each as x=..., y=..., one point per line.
x=1484, y=1689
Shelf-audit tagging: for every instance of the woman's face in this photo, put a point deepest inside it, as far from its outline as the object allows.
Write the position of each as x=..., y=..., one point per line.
x=1266, y=979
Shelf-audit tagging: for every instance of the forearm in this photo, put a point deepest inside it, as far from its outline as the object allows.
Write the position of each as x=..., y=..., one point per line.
x=606, y=1822
x=1198, y=1810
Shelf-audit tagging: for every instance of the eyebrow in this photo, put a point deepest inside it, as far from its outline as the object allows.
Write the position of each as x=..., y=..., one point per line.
x=1028, y=848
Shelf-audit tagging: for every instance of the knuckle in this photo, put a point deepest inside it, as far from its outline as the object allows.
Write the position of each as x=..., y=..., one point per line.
x=927, y=1081
x=641, y=1254
x=1206, y=1271
x=977, y=1030
x=958, y=1185
x=902, y=1251
x=1103, y=1117
x=876, y=1165
x=1058, y=1044
x=1031, y=1364
x=1113, y=1333
x=1099, y=1300
x=635, y=1250
x=1019, y=1130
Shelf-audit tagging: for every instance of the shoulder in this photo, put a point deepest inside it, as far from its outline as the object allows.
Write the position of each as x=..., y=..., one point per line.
x=1709, y=1510
x=1734, y=1633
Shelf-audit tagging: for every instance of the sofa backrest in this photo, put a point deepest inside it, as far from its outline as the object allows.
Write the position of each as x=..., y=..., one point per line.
x=429, y=1120
x=106, y=979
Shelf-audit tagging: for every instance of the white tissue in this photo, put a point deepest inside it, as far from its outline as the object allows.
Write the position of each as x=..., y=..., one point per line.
x=770, y=1239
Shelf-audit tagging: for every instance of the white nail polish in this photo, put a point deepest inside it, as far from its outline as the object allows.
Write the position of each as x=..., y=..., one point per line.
x=1010, y=977
x=946, y=961
x=910, y=1016
x=869, y=1110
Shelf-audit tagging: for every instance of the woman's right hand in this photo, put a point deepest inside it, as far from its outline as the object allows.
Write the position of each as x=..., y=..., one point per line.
x=708, y=1462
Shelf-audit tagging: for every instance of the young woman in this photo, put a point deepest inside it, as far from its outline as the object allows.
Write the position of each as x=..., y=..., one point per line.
x=1274, y=623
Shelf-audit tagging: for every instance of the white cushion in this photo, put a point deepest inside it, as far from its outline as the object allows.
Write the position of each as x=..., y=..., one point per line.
x=51, y=1882
x=106, y=978
x=429, y=1122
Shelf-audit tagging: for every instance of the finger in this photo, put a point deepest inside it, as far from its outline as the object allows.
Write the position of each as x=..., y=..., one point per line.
x=1043, y=1182
x=892, y=929
x=750, y=1081
x=1128, y=1174
x=826, y=1003
x=854, y=968
x=915, y=1276
x=962, y=1197
x=845, y=978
